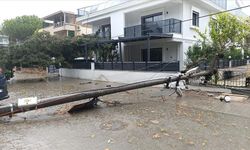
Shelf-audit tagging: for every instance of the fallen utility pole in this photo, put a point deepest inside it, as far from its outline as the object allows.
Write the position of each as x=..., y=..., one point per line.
x=13, y=108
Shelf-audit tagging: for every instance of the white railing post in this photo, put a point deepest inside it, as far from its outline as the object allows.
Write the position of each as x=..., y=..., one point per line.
x=92, y=66
x=230, y=61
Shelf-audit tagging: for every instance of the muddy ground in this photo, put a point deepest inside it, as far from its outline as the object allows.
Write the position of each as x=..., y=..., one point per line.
x=146, y=119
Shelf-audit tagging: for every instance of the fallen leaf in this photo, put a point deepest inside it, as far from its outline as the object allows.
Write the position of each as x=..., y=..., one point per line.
x=163, y=130
x=190, y=143
x=110, y=141
x=156, y=136
x=166, y=134
x=155, y=121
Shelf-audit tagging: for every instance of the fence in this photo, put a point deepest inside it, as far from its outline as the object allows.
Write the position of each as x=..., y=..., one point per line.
x=129, y=66
x=222, y=64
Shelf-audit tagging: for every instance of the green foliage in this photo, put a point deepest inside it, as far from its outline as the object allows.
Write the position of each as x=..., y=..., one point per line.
x=103, y=51
x=227, y=36
x=4, y=58
x=39, y=49
x=228, y=32
x=202, y=51
x=22, y=27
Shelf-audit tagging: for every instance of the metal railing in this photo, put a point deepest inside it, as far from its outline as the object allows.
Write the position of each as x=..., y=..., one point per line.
x=129, y=66
x=225, y=63
x=85, y=11
x=164, y=26
x=220, y=3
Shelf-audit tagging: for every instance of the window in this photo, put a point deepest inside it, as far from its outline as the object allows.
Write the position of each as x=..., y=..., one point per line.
x=71, y=33
x=155, y=54
x=195, y=19
x=151, y=23
x=106, y=31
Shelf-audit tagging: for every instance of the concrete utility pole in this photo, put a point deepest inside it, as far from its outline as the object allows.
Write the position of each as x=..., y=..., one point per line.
x=13, y=108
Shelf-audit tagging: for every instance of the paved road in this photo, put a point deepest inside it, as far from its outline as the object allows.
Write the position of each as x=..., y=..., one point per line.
x=147, y=119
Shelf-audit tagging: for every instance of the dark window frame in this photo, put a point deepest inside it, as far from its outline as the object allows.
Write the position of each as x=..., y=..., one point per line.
x=143, y=18
x=195, y=18
x=146, y=26
x=144, y=54
x=103, y=32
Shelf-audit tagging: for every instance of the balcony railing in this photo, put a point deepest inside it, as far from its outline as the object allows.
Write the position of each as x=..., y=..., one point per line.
x=159, y=27
x=220, y=3
x=129, y=66
x=85, y=11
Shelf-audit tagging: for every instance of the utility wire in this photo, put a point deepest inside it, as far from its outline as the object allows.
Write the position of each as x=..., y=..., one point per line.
x=220, y=12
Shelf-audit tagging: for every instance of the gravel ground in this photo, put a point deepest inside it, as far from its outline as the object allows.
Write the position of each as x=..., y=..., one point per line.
x=146, y=119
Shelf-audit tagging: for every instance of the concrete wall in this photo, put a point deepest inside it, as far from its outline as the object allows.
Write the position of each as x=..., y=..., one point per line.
x=117, y=25
x=168, y=10
x=113, y=76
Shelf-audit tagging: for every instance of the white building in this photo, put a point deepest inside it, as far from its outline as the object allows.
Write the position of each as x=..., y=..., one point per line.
x=4, y=41
x=151, y=30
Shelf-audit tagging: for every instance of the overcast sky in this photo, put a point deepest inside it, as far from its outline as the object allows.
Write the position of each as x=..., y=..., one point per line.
x=12, y=8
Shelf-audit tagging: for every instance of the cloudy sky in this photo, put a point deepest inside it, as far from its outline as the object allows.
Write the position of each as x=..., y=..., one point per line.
x=12, y=8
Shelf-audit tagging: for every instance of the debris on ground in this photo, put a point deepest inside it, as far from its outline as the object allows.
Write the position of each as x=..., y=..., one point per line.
x=155, y=121
x=156, y=136
x=232, y=97
x=210, y=94
x=82, y=83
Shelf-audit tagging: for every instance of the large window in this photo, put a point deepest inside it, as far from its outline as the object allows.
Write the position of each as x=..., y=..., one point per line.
x=152, y=23
x=155, y=54
x=195, y=18
x=106, y=31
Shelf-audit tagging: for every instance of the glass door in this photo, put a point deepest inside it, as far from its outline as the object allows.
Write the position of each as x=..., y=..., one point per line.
x=152, y=24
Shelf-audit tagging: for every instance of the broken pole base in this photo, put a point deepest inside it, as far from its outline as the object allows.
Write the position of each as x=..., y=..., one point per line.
x=84, y=106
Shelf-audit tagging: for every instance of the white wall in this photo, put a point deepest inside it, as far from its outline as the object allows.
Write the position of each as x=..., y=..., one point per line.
x=168, y=10
x=97, y=24
x=4, y=40
x=189, y=32
x=114, y=76
x=117, y=25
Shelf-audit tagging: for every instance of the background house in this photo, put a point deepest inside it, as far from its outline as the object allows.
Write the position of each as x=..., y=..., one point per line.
x=4, y=41
x=63, y=23
x=151, y=31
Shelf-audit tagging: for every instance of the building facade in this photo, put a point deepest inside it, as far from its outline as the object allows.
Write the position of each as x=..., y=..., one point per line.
x=63, y=24
x=152, y=31
x=4, y=41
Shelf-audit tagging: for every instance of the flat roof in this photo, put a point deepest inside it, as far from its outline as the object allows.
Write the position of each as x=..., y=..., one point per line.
x=58, y=12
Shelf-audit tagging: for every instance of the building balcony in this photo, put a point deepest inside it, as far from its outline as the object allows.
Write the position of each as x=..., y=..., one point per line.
x=85, y=11
x=220, y=3
x=159, y=27
x=60, y=27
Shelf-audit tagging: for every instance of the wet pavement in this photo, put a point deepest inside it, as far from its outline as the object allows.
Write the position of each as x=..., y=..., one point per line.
x=146, y=119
